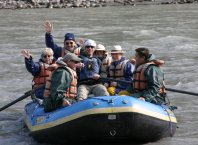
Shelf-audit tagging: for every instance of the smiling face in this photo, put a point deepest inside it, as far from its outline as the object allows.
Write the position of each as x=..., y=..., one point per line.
x=89, y=50
x=47, y=58
x=47, y=55
x=69, y=45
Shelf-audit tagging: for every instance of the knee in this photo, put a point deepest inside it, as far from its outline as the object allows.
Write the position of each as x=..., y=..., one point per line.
x=124, y=92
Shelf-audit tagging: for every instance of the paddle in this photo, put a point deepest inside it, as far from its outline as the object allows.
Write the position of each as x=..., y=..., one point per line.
x=168, y=89
x=26, y=94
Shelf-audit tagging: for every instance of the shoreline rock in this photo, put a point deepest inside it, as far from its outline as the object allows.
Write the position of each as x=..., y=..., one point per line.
x=26, y=4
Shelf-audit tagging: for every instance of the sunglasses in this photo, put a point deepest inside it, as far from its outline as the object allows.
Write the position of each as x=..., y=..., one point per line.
x=45, y=56
x=75, y=61
x=89, y=46
x=67, y=43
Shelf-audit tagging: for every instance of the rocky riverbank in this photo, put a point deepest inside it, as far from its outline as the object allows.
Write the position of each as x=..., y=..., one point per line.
x=23, y=4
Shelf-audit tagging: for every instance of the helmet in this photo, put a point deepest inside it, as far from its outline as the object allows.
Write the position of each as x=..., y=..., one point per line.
x=90, y=42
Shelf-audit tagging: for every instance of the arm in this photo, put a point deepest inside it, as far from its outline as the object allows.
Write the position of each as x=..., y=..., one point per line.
x=49, y=41
x=31, y=66
x=60, y=82
x=96, y=76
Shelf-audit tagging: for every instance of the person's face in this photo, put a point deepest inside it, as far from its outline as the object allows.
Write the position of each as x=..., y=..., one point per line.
x=47, y=58
x=89, y=50
x=116, y=56
x=69, y=45
x=139, y=60
x=99, y=54
x=72, y=64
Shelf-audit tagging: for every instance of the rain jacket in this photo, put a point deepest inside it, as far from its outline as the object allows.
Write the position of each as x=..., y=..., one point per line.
x=60, y=82
x=34, y=68
x=91, y=67
x=155, y=77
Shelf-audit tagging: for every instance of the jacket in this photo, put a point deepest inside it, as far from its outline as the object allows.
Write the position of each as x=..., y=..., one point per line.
x=154, y=77
x=91, y=67
x=63, y=86
x=35, y=68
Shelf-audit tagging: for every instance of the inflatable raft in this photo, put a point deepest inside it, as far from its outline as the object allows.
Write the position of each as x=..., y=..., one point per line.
x=107, y=118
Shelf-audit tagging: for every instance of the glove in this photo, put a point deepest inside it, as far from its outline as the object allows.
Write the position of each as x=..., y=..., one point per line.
x=111, y=90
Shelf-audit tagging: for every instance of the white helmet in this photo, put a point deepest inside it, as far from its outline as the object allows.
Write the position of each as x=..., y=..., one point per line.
x=90, y=42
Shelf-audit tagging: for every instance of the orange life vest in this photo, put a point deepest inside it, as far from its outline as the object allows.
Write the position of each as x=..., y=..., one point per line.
x=117, y=72
x=140, y=82
x=42, y=77
x=76, y=51
x=71, y=92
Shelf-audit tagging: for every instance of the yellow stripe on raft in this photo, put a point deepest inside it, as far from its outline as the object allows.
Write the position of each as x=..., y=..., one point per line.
x=134, y=109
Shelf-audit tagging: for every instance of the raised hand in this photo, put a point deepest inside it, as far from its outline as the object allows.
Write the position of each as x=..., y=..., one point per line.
x=26, y=53
x=48, y=26
x=81, y=41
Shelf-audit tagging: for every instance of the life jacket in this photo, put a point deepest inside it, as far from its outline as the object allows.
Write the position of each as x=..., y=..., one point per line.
x=42, y=77
x=140, y=82
x=104, y=65
x=76, y=51
x=117, y=72
x=71, y=92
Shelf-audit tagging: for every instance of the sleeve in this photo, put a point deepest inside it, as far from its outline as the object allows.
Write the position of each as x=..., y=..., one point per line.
x=153, y=76
x=128, y=74
x=49, y=41
x=99, y=64
x=130, y=89
x=106, y=79
x=32, y=67
x=60, y=82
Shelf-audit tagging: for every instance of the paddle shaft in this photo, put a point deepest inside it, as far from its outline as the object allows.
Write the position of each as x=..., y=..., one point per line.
x=168, y=89
x=180, y=91
x=114, y=80
x=27, y=94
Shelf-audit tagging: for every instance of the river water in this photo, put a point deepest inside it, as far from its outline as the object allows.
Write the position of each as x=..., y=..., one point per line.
x=170, y=31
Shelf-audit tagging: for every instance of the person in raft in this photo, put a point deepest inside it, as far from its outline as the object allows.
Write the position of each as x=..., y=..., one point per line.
x=102, y=54
x=120, y=69
x=70, y=44
x=89, y=78
x=61, y=87
x=148, y=78
x=39, y=69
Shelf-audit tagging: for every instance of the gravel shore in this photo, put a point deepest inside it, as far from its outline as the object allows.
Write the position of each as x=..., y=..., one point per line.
x=24, y=4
